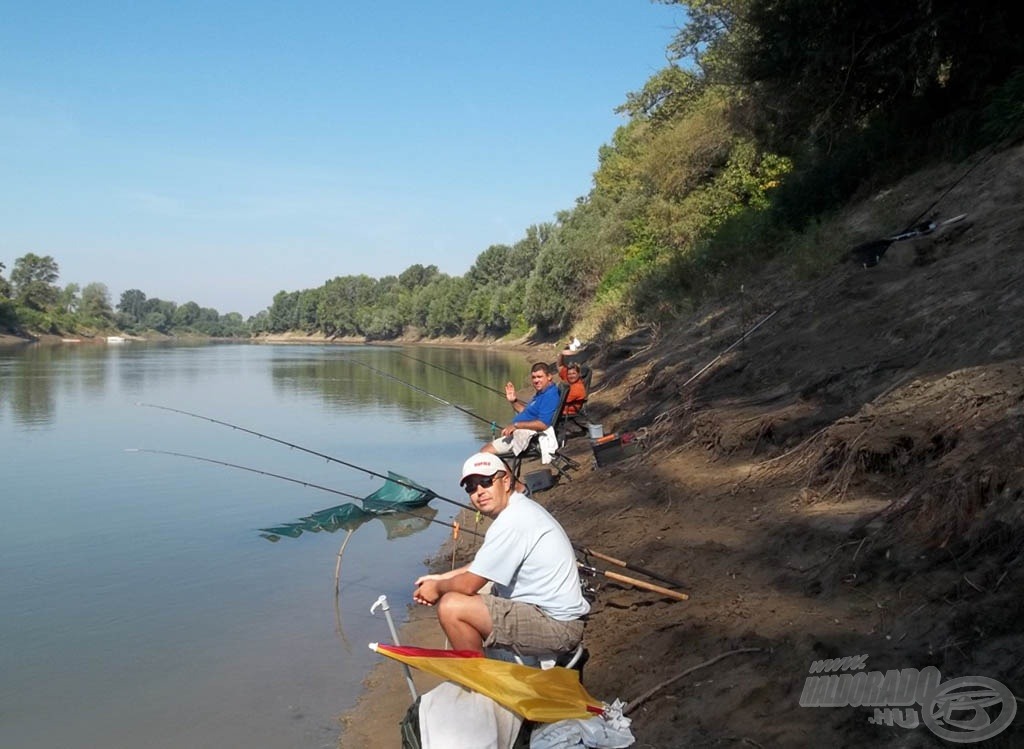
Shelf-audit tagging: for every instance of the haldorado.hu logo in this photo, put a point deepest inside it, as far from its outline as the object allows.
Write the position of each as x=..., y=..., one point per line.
x=963, y=710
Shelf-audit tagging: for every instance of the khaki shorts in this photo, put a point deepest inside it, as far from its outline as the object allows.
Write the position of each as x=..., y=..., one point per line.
x=527, y=629
x=515, y=443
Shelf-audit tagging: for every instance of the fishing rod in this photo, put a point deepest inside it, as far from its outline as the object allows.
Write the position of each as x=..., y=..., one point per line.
x=466, y=411
x=678, y=391
x=309, y=484
x=294, y=446
x=634, y=582
x=301, y=482
x=332, y=459
x=586, y=552
x=456, y=374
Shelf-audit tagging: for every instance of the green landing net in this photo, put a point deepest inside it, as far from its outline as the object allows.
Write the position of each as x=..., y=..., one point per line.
x=397, y=494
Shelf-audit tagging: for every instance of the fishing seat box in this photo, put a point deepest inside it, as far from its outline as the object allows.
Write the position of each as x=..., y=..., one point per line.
x=614, y=448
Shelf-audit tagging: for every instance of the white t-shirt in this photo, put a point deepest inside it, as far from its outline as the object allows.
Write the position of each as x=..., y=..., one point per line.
x=529, y=558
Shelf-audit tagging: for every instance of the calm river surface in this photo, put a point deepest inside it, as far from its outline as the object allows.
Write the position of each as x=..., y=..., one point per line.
x=140, y=605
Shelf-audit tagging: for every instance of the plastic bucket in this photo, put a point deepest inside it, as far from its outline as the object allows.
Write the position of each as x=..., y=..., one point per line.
x=595, y=431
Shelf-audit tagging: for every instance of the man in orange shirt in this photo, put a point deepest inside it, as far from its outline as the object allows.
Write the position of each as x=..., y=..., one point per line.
x=571, y=374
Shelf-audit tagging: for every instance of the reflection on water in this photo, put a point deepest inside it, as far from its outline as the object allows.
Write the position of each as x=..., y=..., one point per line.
x=30, y=374
x=138, y=595
x=342, y=382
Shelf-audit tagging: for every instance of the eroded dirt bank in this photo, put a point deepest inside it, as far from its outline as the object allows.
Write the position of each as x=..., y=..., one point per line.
x=848, y=481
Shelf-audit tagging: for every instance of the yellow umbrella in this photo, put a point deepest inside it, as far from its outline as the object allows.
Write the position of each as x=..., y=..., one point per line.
x=544, y=696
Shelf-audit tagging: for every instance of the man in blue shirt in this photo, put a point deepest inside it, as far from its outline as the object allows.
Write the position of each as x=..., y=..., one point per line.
x=530, y=418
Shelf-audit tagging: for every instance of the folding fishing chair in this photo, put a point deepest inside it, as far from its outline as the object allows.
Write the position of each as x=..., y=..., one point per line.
x=575, y=658
x=560, y=462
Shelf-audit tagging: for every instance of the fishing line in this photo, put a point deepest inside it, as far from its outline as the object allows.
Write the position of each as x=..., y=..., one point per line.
x=292, y=445
x=456, y=374
x=679, y=390
x=466, y=411
x=301, y=482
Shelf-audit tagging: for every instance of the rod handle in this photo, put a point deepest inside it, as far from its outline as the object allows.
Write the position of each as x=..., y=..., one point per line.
x=636, y=583
x=634, y=567
x=647, y=586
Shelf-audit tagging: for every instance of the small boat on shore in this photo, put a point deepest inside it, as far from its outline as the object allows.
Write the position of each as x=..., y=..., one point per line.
x=116, y=339
x=70, y=340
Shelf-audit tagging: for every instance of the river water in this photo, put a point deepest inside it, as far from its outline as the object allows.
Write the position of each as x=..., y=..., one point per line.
x=140, y=604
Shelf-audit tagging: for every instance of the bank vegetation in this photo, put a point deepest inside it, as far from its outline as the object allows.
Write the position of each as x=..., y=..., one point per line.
x=768, y=117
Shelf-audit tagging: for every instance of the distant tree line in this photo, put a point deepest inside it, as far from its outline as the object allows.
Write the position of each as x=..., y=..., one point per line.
x=32, y=300
x=509, y=288
x=769, y=115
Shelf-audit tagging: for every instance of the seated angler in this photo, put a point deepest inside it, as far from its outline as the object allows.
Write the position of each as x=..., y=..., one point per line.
x=571, y=374
x=537, y=604
x=530, y=418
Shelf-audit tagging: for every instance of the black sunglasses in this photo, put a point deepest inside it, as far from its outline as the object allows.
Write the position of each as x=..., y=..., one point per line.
x=471, y=484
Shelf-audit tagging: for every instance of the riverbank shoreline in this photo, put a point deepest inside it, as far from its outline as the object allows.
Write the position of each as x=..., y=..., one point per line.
x=523, y=345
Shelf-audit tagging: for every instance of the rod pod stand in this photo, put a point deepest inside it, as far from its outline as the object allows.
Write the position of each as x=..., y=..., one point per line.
x=382, y=603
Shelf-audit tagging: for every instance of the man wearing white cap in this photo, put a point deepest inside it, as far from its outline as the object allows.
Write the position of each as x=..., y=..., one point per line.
x=536, y=604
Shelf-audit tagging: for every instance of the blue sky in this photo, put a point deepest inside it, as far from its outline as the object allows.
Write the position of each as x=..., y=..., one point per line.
x=219, y=152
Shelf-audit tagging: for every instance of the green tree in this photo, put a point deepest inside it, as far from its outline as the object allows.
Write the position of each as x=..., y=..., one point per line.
x=490, y=266
x=345, y=303
x=208, y=315
x=418, y=276
x=232, y=324
x=259, y=323
x=156, y=320
x=552, y=294
x=132, y=305
x=307, y=307
x=665, y=95
x=444, y=312
x=829, y=68
x=69, y=300
x=8, y=316
x=186, y=315
x=283, y=312
x=34, y=278
x=208, y=322
x=383, y=324
x=159, y=314
x=95, y=306
x=715, y=35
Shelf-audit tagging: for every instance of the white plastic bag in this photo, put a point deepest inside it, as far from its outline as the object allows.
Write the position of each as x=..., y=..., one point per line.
x=608, y=731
